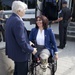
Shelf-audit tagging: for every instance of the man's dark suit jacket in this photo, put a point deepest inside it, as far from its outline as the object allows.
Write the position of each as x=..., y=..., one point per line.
x=17, y=42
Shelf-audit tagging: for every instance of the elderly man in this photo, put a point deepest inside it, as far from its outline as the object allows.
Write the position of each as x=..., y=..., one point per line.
x=17, y=43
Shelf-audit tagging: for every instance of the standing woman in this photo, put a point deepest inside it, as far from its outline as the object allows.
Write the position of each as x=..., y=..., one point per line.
x=43, y=37
x=17, y=43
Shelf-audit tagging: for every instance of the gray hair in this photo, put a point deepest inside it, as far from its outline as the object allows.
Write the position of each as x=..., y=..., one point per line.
x=18, y=5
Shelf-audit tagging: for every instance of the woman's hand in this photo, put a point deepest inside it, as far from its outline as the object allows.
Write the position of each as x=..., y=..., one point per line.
x=56, y=56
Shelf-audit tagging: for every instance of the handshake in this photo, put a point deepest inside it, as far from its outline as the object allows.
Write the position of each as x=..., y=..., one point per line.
x=35, y=49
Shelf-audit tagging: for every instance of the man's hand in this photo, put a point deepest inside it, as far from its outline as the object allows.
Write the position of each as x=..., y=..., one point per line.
x=2, y=19
x=34, y=51
x=53, y=21
x=31, y=43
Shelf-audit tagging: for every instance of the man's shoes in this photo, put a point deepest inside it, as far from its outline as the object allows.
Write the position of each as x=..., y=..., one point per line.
x=60, y=47
x=0, y=39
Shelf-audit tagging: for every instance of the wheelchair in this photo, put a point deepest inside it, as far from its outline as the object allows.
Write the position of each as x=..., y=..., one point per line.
x=36, y=67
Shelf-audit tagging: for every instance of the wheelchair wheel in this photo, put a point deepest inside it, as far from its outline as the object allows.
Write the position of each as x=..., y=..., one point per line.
x=54, y=67
x=53, y=62
x=32, y=69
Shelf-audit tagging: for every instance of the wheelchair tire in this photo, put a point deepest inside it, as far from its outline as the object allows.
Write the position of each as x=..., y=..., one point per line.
x=55, y=65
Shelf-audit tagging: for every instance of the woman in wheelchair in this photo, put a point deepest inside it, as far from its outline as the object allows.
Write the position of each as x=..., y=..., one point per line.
x=43, y=37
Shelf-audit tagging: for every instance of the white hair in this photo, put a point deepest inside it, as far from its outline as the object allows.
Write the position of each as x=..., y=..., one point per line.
x=18, y=5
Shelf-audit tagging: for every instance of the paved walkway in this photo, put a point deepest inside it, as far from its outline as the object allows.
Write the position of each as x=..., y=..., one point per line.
x=66, y=61
x=6, y=64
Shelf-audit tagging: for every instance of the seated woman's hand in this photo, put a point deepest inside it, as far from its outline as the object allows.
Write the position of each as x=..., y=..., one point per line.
x=34, y=51
x=56, y=56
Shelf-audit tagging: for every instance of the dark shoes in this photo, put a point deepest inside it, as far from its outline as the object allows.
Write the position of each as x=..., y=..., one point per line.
x=60, y=47
x=0, y=39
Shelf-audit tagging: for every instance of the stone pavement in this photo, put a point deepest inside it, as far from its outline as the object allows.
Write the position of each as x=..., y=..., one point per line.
x=66, y=61
x=6, y=64
x=65, y=65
